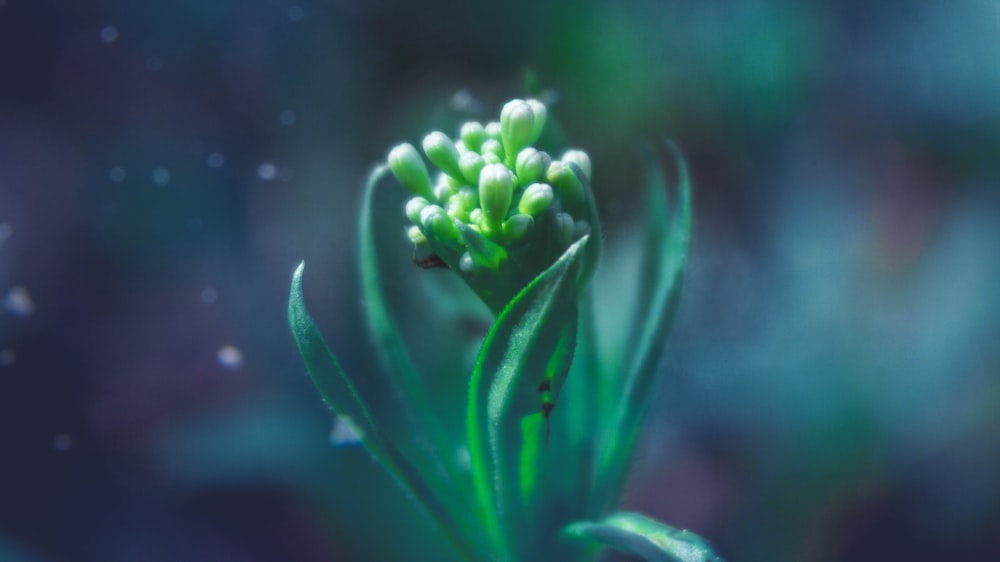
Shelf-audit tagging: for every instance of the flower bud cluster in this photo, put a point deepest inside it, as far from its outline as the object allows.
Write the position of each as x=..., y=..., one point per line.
x=493, y=191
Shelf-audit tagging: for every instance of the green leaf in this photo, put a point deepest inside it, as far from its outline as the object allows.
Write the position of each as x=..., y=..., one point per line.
x=646, y=538
x=665, y=251
x=436, y=446
x=340, y=394
x=521, y=367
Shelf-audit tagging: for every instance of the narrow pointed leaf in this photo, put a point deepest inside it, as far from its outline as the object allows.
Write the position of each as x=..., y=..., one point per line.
x=522, y=364
x=650, y=540
x=664, y=258
x=341, y=395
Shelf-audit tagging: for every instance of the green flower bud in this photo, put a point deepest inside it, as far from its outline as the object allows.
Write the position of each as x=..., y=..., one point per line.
x=496, y=189
x=465, y=263
x=493, y=146
x=493, y=130
x=416, y=236
x=442, y=192
x=484, y=252
x=532, y=165
x=541, y=114
x=461, y=203
x=517, y=226
x=579, y=158
x=536, y=198
x=442, y=153
x=473, y=134
x=413, y=208
x=567, y=186
x=437, y=222
x=517, y=127
x=564, y=229
x=471, y=164
x=409, y=168
x=476, y=218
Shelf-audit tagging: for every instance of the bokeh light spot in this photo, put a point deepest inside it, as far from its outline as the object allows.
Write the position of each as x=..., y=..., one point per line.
x=109, y=34
x=19, y=302
x=230, y=357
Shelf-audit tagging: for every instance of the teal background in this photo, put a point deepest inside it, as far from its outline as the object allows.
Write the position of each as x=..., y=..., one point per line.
x=831, y=391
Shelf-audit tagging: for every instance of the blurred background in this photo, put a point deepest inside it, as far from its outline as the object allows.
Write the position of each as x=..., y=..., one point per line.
x=830, y=391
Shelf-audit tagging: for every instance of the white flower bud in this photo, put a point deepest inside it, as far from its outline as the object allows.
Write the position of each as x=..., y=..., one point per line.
x=531, y=165
x=409, y=168
x=541, y=114
x=517, y=226
x=493, y=130
x=473, y=134
x=416, y=236
x=579, y=158
x=442, y=153
x=493, y=146
x=536, y=198
x=436, y=221
x=517, y=127
x=564, y=229
x=496, y=189
x=413, y=208
x=566, y=185
x=471, y=164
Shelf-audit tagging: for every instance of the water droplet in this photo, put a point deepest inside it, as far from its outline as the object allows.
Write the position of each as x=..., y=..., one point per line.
x=109, y=33
x=116, y=174
x=287, y=117
x=161, y=176
x=154, y=64
x=19, y=302
x=345, y=432
x=62, y=443
x=215, y=160
x=267, y=171
x=209, y=295
x=230, y=357
x=7, y=357
x=295, y=13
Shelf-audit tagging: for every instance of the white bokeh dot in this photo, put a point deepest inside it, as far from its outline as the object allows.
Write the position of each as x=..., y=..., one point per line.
x=230, y=357
x=160, y=176
x=109, y=33
x=267, y=171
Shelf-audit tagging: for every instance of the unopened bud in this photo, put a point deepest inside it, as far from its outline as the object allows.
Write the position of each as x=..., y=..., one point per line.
x=442, y=152
x=517, y=127
x=579, y=158
x=566, y=185
x=564, y=229
x=493, y=130
x=531, y=165
x=409, y=168
x=415, y=236
x=437, y=222
x=517, y=226
x=471, y=164
x=473, y=134
x=536, y=198
x=413, y=208
x=496, y=189
x=493, y=146
x=541, y=113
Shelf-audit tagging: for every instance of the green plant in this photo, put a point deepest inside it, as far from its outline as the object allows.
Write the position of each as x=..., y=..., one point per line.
x=550, y=427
